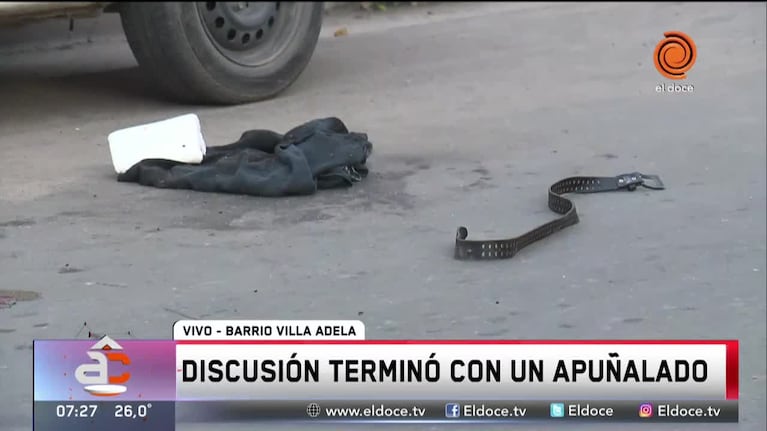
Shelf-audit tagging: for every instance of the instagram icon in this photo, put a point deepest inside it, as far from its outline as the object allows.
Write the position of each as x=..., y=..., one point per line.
x=645, y=410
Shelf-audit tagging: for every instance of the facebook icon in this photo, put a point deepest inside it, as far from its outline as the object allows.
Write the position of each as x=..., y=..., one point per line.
x=452, y=410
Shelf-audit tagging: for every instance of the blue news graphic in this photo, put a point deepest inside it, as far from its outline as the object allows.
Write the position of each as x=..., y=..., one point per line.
x=452, y=410
x=557, y=410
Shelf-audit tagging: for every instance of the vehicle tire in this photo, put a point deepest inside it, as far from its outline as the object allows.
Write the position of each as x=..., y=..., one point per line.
x=222, y=52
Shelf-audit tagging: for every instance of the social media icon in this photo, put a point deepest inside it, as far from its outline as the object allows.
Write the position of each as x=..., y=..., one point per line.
x=557, y=410
x=452, y=410
x=645, y=410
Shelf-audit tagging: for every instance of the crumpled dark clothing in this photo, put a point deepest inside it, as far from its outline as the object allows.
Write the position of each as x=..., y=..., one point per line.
x=319, y=154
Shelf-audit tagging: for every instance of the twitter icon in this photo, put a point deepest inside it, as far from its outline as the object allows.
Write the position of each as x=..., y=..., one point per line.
x=557, y=410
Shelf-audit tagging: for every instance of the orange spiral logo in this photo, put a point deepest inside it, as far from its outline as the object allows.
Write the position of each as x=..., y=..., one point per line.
x=675, y=55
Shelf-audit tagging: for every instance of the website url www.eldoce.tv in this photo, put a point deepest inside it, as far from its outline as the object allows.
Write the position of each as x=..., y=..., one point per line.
x=379, y=411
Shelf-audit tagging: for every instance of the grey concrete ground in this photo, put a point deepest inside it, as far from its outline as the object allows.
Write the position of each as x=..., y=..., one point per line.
x=474, y=111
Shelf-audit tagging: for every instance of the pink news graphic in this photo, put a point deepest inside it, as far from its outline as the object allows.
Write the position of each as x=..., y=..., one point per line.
x=104, y=370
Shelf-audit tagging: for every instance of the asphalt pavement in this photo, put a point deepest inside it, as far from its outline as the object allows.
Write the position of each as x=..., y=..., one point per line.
x=473, y=110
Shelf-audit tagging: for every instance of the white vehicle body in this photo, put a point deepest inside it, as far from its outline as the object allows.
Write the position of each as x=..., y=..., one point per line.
x=17, y=12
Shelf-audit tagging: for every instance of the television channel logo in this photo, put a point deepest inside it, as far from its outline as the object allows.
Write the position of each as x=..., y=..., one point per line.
x=95, y=377
x=557, y=410
x=645, y=410
x=675, y=55
x=452, y=410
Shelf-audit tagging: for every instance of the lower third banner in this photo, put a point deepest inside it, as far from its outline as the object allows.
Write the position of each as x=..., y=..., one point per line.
x=152, y=385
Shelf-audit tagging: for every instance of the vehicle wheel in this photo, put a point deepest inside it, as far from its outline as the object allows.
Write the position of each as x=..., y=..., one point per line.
x=222, y=52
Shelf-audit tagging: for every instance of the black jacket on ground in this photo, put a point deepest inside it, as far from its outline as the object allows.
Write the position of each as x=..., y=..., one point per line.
x=320, y=154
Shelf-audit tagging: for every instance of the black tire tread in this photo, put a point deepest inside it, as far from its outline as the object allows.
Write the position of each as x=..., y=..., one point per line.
x=157, y=35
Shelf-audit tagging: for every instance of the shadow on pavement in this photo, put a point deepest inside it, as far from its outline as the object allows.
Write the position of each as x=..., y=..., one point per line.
x=85, y=97
x=70, y=84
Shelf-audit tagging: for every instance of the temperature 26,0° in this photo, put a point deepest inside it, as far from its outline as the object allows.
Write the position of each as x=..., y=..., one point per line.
x=132, y=411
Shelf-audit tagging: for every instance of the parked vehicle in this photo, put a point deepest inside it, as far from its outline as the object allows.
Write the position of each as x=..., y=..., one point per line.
x=205, y=52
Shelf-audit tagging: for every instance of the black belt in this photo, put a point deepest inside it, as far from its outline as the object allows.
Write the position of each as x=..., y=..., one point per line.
x=507, y=248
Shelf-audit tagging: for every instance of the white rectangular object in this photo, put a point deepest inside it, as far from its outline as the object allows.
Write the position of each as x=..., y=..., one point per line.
x=178, y=139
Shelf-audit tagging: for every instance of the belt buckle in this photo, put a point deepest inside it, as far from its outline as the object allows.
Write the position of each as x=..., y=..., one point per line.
x=654, y=184
x=633, y=180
